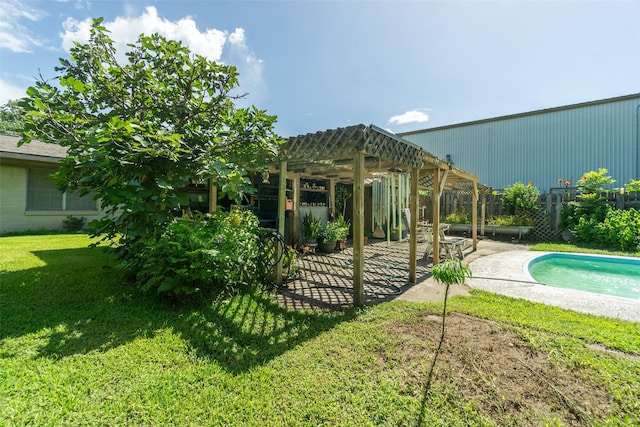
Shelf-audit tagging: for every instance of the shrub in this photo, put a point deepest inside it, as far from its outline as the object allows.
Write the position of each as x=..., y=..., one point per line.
x=461, y=217
x=510, y=220
x=215, y=253
x=334, y=230
x=73, y=223
x=606, y=226
x=310, y=226
x=594, y=182
x=633, y=185
x=520, y=199
x=621, y=229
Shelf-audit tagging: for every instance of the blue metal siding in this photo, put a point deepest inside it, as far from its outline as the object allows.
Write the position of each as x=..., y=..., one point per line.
x=544, y=147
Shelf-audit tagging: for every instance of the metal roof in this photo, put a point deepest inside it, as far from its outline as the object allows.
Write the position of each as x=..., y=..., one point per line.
x=528, y=113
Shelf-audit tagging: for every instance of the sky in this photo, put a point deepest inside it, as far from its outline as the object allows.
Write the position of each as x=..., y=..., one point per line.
x=400, y=65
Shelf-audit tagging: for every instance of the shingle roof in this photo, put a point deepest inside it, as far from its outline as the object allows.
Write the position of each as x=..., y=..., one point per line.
x=35, y=150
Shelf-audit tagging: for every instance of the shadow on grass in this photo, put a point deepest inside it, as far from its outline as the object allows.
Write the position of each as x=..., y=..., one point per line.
x=77, y=304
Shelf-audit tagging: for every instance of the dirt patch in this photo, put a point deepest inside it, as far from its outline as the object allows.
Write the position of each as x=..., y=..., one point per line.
x=511, y=383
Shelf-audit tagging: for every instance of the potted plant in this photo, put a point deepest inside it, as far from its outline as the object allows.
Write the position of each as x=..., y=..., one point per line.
x=344, y=226
x=330, y=234
x=310, y=228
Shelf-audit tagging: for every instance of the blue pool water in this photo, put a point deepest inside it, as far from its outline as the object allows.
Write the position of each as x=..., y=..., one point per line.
x=616, y=276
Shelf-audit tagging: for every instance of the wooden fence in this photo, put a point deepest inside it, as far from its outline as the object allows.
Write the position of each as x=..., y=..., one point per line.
x=550, y=203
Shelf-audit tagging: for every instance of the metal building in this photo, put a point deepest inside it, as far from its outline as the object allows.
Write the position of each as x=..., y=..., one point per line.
x=544, y=146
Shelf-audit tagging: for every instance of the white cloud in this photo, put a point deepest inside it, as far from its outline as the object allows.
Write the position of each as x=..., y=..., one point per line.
x=209, y=43
x=9, y=91
x=249, y=66
x=414, y=116
x=126, y=29
x=13, y=35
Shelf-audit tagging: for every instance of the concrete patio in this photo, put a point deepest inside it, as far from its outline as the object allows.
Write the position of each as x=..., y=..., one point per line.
x=326, y=280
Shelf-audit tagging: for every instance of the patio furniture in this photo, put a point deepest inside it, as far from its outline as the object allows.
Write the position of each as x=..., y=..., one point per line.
x=422, y=226
x=448, y=244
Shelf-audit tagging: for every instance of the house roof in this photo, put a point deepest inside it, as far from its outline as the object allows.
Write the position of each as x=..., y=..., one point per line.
x=35, y=150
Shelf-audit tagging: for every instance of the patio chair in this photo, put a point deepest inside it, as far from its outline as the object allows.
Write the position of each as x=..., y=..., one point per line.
x=422, y=226
x=447, y=244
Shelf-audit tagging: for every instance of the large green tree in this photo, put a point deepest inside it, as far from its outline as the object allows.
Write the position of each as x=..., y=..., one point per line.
x=10, y=118
x=139, y=129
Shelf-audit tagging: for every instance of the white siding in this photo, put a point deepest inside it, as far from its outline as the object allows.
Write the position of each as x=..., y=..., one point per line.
x=13, y=205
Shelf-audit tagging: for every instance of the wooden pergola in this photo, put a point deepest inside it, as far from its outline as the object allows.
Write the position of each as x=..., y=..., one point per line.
x=351, y=154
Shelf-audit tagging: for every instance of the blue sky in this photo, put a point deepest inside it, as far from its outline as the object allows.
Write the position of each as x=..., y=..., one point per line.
x=325, y=64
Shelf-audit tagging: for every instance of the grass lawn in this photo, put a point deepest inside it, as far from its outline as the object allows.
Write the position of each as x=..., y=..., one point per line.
x=568, y=247
x=79, y=347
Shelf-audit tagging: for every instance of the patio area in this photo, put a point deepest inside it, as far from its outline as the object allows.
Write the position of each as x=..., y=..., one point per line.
x=326, y=280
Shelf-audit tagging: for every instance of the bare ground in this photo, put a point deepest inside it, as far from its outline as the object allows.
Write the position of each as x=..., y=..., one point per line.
x=510, y=383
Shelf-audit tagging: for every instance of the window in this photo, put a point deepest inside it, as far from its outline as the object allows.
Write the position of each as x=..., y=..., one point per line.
x=43, y=195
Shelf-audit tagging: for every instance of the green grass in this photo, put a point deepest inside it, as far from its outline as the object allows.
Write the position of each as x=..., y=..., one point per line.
x=79, y=347
x=568, y=247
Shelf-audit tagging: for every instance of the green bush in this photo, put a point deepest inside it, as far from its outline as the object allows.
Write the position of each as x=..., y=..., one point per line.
x=511, y=220
x=461, y=217
x=334, y=230
x=215, y=253
x=621, y=229
x=594, y=182
x=633, y=185
x=588, y=206
x=73, y=223
x=520, y=199
x=606, y=226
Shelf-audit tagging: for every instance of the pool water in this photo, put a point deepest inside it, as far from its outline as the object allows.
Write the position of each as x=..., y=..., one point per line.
x=616, y=276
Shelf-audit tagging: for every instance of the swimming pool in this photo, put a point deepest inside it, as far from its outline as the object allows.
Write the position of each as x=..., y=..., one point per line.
x=606, y=275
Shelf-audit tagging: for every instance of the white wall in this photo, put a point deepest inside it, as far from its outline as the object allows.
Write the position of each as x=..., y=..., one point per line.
x=13, y=205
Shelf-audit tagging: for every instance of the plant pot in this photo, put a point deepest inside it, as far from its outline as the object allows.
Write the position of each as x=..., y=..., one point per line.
x=310, y=241
x=394, y=235
x=465, y=228
x=513, y=230
x=327, y=247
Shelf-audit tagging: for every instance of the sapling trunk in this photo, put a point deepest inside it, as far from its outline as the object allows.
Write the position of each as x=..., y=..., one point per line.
x=448, y=272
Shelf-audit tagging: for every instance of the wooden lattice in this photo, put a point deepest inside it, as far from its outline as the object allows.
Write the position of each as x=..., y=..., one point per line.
x=542, y=227
x=344, y=142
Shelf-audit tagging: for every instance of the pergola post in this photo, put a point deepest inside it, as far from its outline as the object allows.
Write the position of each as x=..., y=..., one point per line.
x=483, y=210
x=295, y=197
x=213, y=196
x=332, y=199
x=413, y=225
x=435, y=203
x=282, y=196
x=358, y=229
x=474, y=215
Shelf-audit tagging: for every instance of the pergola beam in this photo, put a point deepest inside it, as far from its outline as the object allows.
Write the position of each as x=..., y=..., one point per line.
x=358, y=229
x=413, y=225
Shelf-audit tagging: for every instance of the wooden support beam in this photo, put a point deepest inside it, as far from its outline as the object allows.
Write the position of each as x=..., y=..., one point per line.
x=282, y=196
x=296, y=232
x=332, y=199
x=474, y=215
x=413, y=225
x=435, y=203
x=358, y=229
x=483, y=212
x=443, y=181
x=213, y=197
